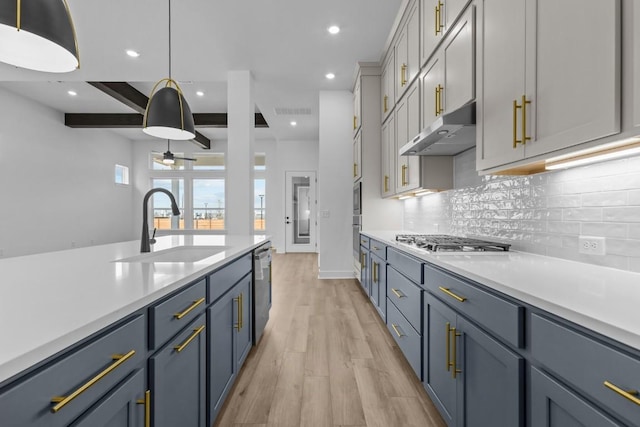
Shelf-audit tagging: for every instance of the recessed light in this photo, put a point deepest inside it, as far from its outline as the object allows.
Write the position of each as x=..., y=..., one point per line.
x=334, y=29
x=293, y=123
x=330, y=76
x=132, y=53
x=72, y=92
x=200, y=93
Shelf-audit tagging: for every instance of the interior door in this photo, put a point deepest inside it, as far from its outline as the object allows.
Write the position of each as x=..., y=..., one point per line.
x=300, y=211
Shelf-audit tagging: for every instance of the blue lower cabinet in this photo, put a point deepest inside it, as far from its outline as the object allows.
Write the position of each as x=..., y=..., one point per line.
x=125, y=406
x=177, y=375
x=378, y=292
x=365, y=273
x=554, y=405
x=230, y=340
x=473, y=379
x=407, y=338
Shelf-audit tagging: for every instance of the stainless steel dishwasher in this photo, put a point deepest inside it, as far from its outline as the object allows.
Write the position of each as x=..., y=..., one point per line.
x=261, y=289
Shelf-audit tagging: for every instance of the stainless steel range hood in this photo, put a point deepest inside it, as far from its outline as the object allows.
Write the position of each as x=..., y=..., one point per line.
x=450, y=134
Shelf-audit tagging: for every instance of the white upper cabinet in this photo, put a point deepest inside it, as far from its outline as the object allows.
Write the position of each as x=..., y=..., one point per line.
x=357, y=157
x=407, y=126
x=357, y=106
x=388, y=158
x=548, y=77
x=448, y=78
x=388, y=85
x=438, y=17
x=407, y=51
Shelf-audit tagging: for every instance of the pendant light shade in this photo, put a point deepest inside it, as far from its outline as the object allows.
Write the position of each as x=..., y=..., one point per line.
x=38, y=35
x=168, y=115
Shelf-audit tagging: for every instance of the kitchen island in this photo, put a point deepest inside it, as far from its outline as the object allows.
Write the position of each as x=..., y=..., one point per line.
x=57, y=306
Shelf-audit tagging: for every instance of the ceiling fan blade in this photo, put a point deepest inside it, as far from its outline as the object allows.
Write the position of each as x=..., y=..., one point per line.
x=185, y=158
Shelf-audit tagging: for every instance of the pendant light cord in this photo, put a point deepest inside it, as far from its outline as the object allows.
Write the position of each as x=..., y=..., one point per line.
x=169, y=39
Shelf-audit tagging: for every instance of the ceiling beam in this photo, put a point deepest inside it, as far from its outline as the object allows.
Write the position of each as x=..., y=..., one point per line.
x=134, y=120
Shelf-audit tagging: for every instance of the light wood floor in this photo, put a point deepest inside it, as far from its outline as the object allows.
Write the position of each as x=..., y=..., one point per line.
x=325, y=359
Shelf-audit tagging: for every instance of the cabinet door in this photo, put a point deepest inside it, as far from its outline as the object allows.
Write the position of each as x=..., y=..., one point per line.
x=452, y=10
x=401, y=114
x=500, y=83
x=432, y=82
x=389, y=157
x=243, y=342
x=458, y=53
x=124, y=406
x=437, y=357
x=178, y=377
x=365, y=275
x=432, y=27
x=491, y=384
x=554, y=405
x=378, y=294
x=573, y=77
x=413, y=129
x=357, y=106
x=221, y=319
x=388, y=85
x=357, y=157
x=401, y=50
x=413, y=44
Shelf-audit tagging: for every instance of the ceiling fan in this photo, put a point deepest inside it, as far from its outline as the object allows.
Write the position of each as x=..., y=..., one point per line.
x=169, y=159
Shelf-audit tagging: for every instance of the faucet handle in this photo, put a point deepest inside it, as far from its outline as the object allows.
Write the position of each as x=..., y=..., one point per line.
x=152, y=240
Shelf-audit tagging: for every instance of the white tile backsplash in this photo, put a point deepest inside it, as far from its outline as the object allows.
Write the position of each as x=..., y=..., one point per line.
x=543, y=213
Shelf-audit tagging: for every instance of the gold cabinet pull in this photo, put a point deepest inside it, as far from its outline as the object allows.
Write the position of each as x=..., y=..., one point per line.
x=630, y=394
x=147, y=407
x=193, y=336
x=363, y=260
x=403, y=75
x=404, y=176
x=241, y=310
x=62, y=401
x=386, y=183
x=398, y=294
x=188, y=310
x=355, y=170
x=238, y=325
x=454, y=350
x=451, y=294
x=355, y=121
x=375, y=272
x=438, y=13
x=448, y=345
x=523, y=110
x=516, y=141
x=398, y=333
x=384, y=102
x=437, y=95
x=439, y=90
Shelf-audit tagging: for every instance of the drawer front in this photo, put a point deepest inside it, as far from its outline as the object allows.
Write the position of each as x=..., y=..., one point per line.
x=90, y=368
x=168, y=317
x=407, y=297
x=364, y=241
x=222, y=280
x=407, y=265
x=378, y=248
x=499, y=316
x=409, y=341
x=587, y=364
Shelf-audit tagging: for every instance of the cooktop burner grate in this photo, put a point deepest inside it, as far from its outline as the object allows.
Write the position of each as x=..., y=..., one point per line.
x=446, y=243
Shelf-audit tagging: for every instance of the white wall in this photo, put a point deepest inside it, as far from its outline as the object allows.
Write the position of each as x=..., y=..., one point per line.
x=335, y=185
x=58, y=183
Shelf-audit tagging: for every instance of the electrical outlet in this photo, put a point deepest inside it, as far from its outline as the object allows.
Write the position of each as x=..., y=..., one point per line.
x=592, y=245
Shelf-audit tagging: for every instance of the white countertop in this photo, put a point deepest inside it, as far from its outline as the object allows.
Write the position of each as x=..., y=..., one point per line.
x=602, y=299
x=52, y=300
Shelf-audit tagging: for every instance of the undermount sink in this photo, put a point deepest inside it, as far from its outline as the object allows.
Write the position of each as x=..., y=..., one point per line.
x=177, y=254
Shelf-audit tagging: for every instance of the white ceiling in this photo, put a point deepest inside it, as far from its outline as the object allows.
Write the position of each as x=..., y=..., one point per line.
x=284, y=43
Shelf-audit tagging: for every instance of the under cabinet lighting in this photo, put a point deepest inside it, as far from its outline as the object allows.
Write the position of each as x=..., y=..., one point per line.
x=424, y=193
x=615, y=150
x=408, y=196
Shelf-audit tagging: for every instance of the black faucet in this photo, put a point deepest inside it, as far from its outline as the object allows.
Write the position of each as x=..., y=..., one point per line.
x=145, y=242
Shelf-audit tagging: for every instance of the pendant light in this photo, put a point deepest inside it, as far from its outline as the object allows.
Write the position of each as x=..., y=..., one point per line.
x=168, y=115
x=38, y=35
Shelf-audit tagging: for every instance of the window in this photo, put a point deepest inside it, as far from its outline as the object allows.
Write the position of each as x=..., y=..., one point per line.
x=208, y=204
x=199, y=188
x=122, y=175
x=163, y=219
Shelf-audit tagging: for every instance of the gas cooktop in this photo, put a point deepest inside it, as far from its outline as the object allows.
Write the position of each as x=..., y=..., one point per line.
x=446, y=243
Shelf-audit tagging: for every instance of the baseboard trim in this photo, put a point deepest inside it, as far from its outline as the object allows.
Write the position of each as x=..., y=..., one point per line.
x=348, y=274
